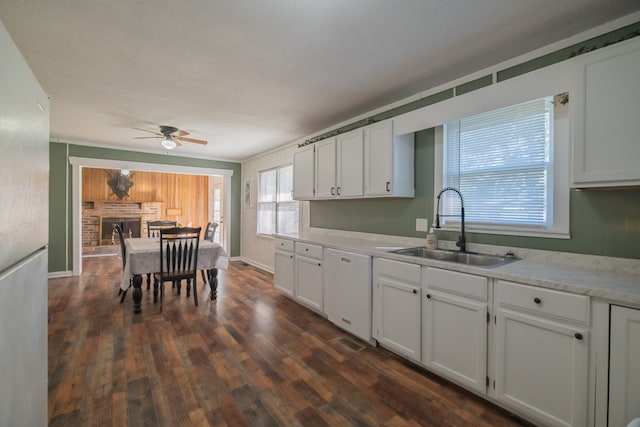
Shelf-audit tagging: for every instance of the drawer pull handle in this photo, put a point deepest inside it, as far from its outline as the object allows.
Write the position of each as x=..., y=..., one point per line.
x=306, y=249
x=537, y=300
x=428, y=296
x=387, y=186
x=345, y=259
x=333, y=191
x=347, y=321
x=578, y=336
x=415, y=291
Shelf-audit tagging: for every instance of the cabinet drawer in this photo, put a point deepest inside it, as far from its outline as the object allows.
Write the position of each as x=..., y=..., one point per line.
x=311, y=251
x=549, y=302
x=283, y=244
x=398, y=270
x=463, y=284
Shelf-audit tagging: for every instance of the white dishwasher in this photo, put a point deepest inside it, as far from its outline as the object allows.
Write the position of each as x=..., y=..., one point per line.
x=348, y=291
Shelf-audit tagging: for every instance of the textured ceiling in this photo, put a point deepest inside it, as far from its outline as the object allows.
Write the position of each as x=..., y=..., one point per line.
x=250, y=75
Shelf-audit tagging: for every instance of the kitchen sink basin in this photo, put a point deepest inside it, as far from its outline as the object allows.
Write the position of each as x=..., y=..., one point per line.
x=467, y=258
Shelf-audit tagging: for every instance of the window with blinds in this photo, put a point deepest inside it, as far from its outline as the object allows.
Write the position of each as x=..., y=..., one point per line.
x=502, y=163
x=277, y=211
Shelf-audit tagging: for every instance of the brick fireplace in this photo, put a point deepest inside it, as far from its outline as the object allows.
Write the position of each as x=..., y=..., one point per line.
x=133, y=215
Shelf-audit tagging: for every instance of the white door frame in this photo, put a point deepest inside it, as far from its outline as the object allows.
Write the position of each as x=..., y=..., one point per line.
x=78, y=163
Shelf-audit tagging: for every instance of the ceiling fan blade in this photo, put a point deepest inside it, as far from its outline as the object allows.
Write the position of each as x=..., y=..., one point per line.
x=147, y=137
x=181, y=133
x=177, y=142
x=150, y=131
x=196, y=141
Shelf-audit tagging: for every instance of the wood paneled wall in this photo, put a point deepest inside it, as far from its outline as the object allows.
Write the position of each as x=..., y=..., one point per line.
x=187, y=192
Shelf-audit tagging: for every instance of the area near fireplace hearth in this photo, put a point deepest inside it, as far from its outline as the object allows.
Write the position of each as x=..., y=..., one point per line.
x=151, y=196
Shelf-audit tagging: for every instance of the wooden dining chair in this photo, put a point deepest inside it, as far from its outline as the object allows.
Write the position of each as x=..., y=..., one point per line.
x=153, y=230
x=123, y=254
x=209, y=233
x=154, y=227
x=178, y=258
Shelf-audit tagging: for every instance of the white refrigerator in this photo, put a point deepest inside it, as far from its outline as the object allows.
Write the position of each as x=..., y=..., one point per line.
x=24, y=229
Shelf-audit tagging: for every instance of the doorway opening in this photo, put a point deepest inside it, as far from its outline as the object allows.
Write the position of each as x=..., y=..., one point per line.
x=219, y=185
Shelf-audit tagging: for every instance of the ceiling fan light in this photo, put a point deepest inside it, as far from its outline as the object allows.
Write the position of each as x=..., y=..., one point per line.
x=168, y=143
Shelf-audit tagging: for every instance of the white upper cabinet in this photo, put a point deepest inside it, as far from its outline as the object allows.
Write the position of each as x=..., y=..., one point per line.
x=349, y=170
x=606, y=103
x=388, y=162
x=365, y=162
x=338, y=166
x=303, y=173
x=325, y=168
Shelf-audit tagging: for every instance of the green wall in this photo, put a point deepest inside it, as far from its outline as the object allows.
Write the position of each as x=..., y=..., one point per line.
x=61, y=238
x=603, y=222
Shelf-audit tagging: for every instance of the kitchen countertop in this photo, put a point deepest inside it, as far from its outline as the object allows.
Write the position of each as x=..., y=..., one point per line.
x=615, y=280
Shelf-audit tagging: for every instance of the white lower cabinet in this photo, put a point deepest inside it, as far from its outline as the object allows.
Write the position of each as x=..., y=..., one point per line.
x=396, y=309
x=624, y=366
x=348, y=291
x=541, y=353
x=309, y=278
x=284, y=266
x=454, y=326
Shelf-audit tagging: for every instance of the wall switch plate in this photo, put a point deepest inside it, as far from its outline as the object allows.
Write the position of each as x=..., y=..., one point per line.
x=422, y=224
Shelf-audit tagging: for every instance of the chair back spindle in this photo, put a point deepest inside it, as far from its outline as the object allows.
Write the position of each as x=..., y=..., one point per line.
x=179, y=257
x=154, y=227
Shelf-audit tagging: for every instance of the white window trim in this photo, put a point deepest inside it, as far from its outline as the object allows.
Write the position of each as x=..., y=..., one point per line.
x=561, y=192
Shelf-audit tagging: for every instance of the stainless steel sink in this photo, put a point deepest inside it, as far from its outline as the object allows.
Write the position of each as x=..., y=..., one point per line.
x=468, y=258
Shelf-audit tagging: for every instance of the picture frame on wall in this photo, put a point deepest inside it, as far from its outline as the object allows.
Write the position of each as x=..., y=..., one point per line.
x=248, y=198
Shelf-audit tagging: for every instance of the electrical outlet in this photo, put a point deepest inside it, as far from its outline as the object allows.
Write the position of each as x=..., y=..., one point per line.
x=422, y=224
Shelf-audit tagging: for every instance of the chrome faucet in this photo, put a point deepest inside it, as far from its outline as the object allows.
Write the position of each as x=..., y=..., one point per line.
x=462, y=240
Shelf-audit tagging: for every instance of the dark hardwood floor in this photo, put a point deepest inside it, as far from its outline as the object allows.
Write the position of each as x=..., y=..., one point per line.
x=251, y=358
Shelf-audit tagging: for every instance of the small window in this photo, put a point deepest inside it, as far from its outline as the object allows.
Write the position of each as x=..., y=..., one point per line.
x=277, y=211
x=502, y=162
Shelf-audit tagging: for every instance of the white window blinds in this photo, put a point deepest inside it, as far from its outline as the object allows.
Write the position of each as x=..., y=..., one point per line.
x=277, y=211
x=501, y=161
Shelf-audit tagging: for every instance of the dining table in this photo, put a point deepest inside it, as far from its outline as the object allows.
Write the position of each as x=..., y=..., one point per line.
x=143, y=257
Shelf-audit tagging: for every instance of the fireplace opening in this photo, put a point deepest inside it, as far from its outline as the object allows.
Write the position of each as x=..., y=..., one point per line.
x=131, y=227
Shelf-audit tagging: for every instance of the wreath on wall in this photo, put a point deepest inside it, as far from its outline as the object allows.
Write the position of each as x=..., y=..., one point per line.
x=119, y=183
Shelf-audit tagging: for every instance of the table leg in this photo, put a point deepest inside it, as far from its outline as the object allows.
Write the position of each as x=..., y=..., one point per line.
x=137, y=292
x=213, y=282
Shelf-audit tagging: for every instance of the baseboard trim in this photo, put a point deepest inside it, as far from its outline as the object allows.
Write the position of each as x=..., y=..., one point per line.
x=256, y=264
x=57, y=274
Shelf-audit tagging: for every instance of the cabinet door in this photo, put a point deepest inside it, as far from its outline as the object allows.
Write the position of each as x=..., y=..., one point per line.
x=378, y=159
x=624, y=366
x=309, y=282
x=606, y=125
x=455, y=338
x=303, y=173
x=348, y=291
x=326, y=168
x=398, y=317
x=542, y=368
x=283, y=277
x=350, y=175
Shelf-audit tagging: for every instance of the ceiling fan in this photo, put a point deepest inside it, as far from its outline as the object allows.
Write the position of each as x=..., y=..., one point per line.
x=171, y=137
